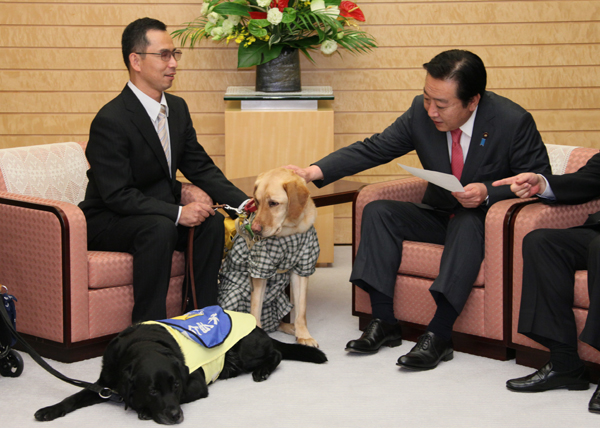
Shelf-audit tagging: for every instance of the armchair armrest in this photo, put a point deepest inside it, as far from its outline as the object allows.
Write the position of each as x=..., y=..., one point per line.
x=191, y=193
x=44, y=264
x=538, y=216
x=497, y=242
x=408, y=189
x=544, y=216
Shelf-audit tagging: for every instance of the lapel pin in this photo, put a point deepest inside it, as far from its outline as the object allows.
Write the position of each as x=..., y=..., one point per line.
x=485, y=135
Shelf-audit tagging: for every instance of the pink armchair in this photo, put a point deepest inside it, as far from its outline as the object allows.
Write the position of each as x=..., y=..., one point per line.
x=538, y=216
x=71, y=301
x=483, y=327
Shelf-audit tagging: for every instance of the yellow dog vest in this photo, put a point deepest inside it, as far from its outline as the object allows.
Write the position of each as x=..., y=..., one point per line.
x=211, y=360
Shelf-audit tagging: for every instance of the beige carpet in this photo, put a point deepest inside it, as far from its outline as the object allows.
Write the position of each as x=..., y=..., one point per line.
x=348, y=391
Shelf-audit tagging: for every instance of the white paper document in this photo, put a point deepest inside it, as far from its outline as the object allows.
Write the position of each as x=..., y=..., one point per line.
x=445, y=181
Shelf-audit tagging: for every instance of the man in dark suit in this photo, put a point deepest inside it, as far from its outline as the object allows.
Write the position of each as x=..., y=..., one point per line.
x=550, y=259
x=456, y=124
x=137, y=143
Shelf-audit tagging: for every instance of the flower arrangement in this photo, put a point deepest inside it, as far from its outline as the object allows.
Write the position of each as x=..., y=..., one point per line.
x=262, y=28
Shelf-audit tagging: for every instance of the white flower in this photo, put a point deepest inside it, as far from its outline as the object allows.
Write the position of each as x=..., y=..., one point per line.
x=204, y=9
x=329, y=46
x=274, y=16
x=263, y=3
x=213, y=17
x=228, y=27
x=235, y=19
x=217, y=33
x=319, y=5
x=333, y=11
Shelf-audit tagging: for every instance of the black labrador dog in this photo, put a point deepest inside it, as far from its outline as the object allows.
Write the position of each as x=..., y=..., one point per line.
x=145, y=366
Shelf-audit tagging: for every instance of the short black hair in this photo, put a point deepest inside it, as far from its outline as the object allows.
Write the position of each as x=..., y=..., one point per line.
x=464, y=67
x=134, y=36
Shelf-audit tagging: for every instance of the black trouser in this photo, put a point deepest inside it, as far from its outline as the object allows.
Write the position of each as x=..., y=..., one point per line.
x=152, y=239
x=386, y=224
x=550, y=259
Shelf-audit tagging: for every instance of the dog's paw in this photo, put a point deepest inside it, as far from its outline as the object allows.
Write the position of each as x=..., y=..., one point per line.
x=49, y=413
x=144, y=415
x=287, y=328
x=261, y=374
x=307, y=341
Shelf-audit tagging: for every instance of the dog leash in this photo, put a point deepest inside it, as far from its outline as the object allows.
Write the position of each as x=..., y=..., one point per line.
x=243, y=211
x=190, y=283
x=104, y=392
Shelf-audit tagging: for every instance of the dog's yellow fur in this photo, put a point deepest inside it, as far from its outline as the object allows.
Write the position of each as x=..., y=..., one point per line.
x=284, y=208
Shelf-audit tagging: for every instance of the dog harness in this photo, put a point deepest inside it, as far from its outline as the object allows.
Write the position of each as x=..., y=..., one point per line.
x=219, y=329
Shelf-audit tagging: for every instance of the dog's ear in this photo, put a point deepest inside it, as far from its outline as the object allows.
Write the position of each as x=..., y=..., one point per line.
x=126, y=385
x=184, y=373
x=256, y=183
x=298, y=195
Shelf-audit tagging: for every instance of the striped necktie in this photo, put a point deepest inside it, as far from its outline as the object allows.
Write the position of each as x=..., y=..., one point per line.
x=162, y=134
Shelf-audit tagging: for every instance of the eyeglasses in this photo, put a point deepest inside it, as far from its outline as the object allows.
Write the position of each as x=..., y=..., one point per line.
x=165, y=55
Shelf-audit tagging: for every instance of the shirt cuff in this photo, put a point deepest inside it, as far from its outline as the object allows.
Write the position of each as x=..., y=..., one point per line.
x=547, y=193
x=178, y=215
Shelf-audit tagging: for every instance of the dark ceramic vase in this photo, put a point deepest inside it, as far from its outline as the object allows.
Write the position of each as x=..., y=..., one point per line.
x=281, y=74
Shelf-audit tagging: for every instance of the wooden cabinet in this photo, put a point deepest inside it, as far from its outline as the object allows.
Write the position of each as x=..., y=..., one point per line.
x=259, y=140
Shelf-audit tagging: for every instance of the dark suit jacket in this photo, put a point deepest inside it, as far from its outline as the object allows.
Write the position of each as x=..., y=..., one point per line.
x=579, y=187
x=129, y=173
x=505, y=142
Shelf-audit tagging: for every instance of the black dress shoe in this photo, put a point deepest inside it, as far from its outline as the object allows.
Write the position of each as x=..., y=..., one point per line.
x=594, y=405
x=377, y=334
x=545, y=379
x=427, y=353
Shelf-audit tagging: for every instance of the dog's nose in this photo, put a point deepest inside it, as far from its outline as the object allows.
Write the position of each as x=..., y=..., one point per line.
x=256, y=227
x=175, y=415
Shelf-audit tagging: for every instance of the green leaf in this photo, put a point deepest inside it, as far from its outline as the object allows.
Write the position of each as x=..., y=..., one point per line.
x=257, y=53
x=255, y=29
x=305, y=43
x=275, y=38
x=333, y=3
x=229, y=8
x=194, y=32
x=259, y=22
x=305, y=52
x=289, y=15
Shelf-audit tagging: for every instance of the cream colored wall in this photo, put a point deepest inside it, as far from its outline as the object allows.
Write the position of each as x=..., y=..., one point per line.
x=60, y=62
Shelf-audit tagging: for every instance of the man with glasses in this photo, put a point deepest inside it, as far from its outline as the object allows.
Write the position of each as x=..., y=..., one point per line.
x=137, y=143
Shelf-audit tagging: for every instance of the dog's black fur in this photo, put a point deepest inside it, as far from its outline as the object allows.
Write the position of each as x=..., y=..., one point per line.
x=145, y=366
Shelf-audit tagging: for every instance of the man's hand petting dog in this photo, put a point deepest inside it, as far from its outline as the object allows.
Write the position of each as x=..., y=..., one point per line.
x=146, y=367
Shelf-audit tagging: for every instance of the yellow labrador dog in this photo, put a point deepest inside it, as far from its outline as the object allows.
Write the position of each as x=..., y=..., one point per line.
x=284, y=207
x=284, y=251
